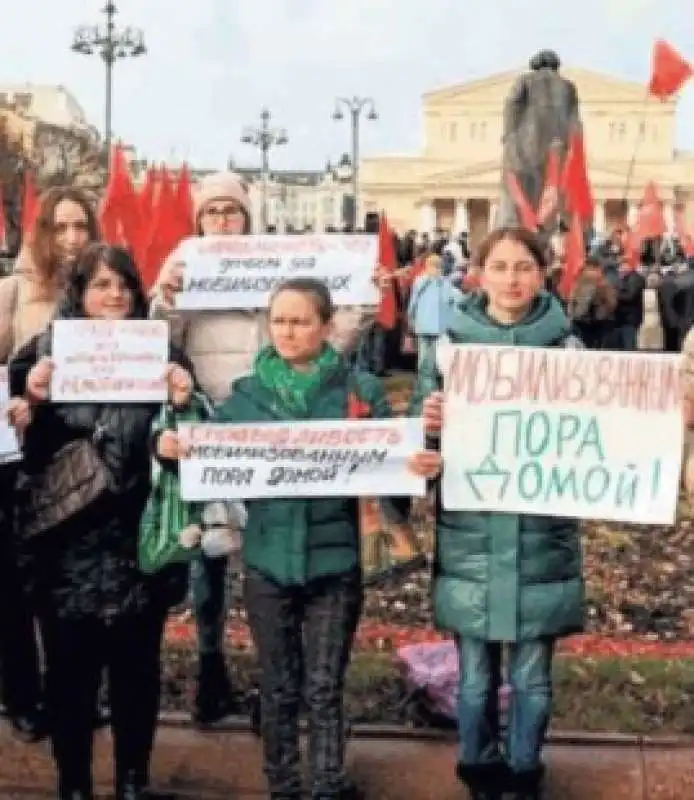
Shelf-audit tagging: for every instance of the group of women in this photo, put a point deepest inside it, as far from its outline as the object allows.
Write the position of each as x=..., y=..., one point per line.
x=500, y=579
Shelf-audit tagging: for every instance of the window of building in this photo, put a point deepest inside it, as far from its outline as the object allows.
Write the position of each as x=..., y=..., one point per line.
x=473, y=130
x=642, y=130
x=612, y=128
x=453, y=131
x=622, y=131
x=483, y=131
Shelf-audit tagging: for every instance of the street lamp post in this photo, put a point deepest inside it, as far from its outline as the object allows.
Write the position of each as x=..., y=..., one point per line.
x=355, y=106
x=264, y=138
x=110, y=45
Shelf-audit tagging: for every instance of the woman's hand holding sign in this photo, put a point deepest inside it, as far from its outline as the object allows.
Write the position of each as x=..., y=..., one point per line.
x=171, y=282
x=425, y=464
x=19, y=414
x=39, y=380
x=432, y=413
x=180, y=385
x=170, y=447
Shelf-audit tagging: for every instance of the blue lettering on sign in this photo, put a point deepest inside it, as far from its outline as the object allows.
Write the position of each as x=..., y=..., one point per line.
x=557, y=457
x=542, y=435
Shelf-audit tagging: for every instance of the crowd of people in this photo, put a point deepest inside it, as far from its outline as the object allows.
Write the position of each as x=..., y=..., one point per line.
x=80, y=623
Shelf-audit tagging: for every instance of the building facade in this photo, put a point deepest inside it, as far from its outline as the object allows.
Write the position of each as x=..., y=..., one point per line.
x=51, y=128
x=453, y=184
x=301, y=200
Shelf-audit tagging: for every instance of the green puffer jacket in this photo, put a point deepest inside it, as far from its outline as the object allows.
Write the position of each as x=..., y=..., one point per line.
x=294, y=541
x=506, y=577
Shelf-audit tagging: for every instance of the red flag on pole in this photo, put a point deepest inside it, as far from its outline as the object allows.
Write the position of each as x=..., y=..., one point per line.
x=387, y=259
x=574, y=257
x=575, y=182
x=119, y=214
x=669, y=71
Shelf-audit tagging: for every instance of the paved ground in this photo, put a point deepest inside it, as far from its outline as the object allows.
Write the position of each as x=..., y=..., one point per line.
x=212, y=766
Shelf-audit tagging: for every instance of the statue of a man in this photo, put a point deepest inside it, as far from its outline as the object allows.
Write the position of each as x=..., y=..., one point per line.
x=540, y=113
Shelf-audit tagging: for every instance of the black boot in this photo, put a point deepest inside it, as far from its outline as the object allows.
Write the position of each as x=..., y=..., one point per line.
x=30, y=727
x=214, y=699
x=528, y=785
x=68, y=792
x=484, y=781
x=133, y=786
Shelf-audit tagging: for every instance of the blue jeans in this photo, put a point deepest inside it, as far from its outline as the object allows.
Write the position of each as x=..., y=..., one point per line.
x=426, y=347
x=530, y=704
x=208, y=586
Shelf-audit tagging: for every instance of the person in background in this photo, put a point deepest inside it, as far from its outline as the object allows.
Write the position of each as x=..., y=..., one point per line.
x=433, y=299
x=95, y=608
x=503, y=580
x=65, y=224
x=628, y=315
x=592, y=305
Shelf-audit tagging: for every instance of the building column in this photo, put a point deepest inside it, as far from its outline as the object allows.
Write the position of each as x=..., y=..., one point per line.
x=427, y=217
x=461, y=222
x=493, y=213
x=599, y=218
x=632, y=213
x=669, y=216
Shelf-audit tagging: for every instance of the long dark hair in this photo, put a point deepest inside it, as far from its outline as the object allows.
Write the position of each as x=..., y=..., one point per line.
x=42, y=248
x=115, y=258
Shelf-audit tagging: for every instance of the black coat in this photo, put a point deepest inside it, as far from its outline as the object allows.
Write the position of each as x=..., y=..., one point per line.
x=87, y=567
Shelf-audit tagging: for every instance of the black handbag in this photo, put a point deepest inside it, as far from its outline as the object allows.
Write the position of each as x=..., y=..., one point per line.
x=74, y=478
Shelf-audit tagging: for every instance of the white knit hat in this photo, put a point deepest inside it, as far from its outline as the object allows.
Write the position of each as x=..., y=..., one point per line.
x=218, y=186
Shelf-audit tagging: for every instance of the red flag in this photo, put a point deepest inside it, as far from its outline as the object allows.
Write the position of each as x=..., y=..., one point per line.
x=669, y=71
x=528, y=217
x=575, y=182
x=30, y=205
x=165, y=232
x=631, y=244
x=119, y=213
x=548, y=205
x=184, y=202
x=574, y=257
x=686, y=239
x=387, y=259
x=650, y=223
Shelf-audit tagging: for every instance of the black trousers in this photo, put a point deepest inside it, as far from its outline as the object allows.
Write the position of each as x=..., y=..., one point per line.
x=303, y=635
x=76, y=652
x=20, y=670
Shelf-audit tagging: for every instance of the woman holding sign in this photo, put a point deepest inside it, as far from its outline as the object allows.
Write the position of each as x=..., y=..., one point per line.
x=504, y=579
x=303, y=588
x=65, y=224
x=222, y=346
x=94, y=607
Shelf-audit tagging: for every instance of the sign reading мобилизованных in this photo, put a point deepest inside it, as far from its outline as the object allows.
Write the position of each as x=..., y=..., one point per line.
x=575, y=433
x=240, y=272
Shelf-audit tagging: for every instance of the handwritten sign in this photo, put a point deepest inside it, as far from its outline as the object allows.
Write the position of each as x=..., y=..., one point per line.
x=349, y=458
x=576, y=433
x=9, y=446
x=110, y=361
x=240, y=272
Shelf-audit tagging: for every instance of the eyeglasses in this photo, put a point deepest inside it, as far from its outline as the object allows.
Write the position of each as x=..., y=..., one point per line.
x=227, y=212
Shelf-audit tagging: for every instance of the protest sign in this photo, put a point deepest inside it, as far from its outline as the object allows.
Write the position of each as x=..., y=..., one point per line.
x=240, y=272
x=110, y=361
x=337, y=458
x=575, y=433
x=9, y=446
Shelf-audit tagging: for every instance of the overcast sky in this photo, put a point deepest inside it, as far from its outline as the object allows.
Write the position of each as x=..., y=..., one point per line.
x=213, y=64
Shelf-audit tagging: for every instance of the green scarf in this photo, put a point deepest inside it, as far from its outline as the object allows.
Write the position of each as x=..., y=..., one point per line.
x=293, y=386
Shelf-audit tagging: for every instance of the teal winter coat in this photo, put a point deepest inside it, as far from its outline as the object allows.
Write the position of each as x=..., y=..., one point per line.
x=293, y=541
x=506, y=577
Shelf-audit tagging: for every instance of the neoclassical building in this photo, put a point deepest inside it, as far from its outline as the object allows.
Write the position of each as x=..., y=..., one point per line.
x=453, y=184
